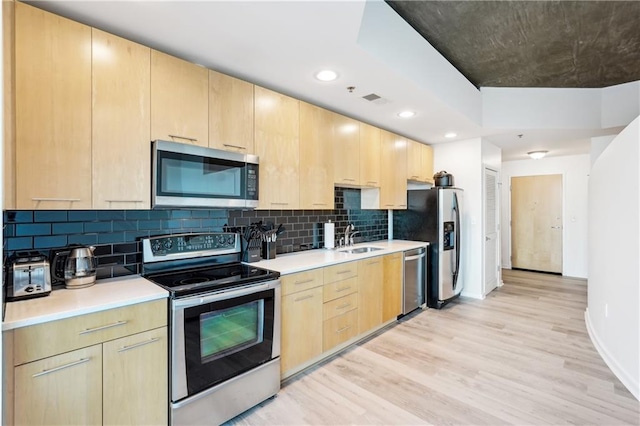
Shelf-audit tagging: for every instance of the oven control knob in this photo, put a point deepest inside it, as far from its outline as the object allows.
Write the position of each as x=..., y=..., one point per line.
x=230, y=240
x=168, y=243
x=155, y=245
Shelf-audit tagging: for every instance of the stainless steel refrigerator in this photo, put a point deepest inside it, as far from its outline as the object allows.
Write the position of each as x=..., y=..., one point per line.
x=435, y=215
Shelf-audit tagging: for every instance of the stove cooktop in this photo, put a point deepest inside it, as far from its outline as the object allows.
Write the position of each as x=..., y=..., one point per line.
x=211, y=279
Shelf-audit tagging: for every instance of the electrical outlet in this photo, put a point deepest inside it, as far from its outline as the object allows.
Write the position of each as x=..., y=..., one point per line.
x=606, y=310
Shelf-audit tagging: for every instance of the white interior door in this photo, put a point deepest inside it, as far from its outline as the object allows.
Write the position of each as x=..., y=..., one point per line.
x=491, y=231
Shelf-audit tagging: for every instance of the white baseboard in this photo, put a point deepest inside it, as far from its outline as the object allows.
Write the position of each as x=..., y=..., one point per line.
x=630, y=382
x=472, y=295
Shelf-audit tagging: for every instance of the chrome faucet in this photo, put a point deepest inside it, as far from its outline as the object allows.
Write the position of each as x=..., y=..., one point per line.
x=348, y=229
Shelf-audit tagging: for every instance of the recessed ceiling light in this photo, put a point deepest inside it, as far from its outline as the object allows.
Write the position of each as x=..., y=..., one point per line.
x=450, y=135
x=406, y=114
x=327, y=75
x=536, y=155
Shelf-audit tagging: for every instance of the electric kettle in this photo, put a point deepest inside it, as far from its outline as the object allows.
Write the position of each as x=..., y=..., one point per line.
x=79, y=267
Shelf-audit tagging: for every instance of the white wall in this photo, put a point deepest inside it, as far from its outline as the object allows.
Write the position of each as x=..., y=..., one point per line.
x=463, y=160
x=541, y=108
x=620, y=104
x=598, y=145
x=613, y=316
x=575, y=171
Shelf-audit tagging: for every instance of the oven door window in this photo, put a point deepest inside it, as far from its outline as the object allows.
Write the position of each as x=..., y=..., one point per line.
x=184, y=175
x=226, y=338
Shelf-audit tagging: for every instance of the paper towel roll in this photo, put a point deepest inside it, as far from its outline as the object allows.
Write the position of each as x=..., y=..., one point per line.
x=329, y=235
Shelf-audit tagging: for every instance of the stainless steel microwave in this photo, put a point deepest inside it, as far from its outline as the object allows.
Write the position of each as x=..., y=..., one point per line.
x=192, y=176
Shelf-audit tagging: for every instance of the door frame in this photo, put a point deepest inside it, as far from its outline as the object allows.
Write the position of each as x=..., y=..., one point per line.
x=507, y=234
x=486, y=167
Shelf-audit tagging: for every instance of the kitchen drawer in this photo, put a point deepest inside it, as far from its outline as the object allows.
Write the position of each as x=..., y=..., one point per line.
x=55, y=337
x=301, y=281
x=339, y=289
x=340, y=306
x=340, y=272
x=339, y=329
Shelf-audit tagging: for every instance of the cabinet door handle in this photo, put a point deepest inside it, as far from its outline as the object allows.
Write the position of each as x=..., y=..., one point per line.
x=124, y=201
x=183, y=137
x=137, y=345
x=233, y=146
x=319, y=204
x=372, y=182
x=299, y=299
x=70, y=200
x=388, y=205
x=346, y=305
x=340, y=290
x=343, y=272
x=279, y=204
x=349, y=180
x=62, y=367
x=343, y=329
x=373, y=262
x=414, y=176
x=103, y=327
x=303, y=281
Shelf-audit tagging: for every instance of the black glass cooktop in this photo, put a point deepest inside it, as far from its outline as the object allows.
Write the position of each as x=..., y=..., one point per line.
x=211, y=279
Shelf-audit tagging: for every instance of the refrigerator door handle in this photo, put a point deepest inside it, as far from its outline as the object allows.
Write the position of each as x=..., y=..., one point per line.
x=457, y=243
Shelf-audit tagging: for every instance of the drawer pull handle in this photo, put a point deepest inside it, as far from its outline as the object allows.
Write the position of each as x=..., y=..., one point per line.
x=319, y=204
x=304, y=298
x=183, y=137
x=303, y=281
x=124, y=201
x=62, y=367
x=373, y=263
x=349, y=180
x=137, y=345
x=234, y=146
x=340, y=290
x=70, y=200
x=343, y=329
x=346, y=305
x=279, y=204
x=372, y=181
x=103, y=327
x=343, y=272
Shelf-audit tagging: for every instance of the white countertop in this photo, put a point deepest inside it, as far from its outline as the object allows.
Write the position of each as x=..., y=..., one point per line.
x=303, y=260
x=105, y=294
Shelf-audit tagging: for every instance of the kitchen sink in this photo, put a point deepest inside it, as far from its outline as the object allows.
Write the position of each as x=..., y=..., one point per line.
x=359, y=250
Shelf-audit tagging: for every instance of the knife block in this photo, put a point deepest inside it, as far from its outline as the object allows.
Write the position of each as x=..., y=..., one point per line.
x=268, y=250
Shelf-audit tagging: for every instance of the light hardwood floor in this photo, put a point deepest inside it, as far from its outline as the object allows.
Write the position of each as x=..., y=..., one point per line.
x=522, y=356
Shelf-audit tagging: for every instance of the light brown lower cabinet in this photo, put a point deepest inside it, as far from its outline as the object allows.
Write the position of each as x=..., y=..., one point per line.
x=65, y=389
x=115, y=373
x=392, y=289
x=325, y=308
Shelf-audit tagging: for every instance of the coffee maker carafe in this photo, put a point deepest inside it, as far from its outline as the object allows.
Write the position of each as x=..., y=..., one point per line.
x=79, y=267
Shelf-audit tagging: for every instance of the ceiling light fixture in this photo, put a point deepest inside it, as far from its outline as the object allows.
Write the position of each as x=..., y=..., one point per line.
x=406, y=114
x=450, y=135
x=536, y=155
x=326, y=75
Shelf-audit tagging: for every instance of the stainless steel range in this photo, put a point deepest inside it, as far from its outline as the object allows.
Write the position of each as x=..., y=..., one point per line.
x=224, y=325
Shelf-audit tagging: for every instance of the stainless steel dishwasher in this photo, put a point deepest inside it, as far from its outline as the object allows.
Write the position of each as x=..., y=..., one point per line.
x=415, y=279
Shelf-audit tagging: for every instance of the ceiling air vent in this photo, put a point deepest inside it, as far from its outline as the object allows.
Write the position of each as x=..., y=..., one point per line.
x=378, y=100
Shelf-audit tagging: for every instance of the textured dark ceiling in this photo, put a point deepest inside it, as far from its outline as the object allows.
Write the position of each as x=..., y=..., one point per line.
x=533, y=43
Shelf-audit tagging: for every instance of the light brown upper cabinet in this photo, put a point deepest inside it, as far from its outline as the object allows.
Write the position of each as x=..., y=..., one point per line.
x=346, y=150
x=419, y=162
x=120, y=123
x=393, y=187
x=369, y=155
x=9, y=129
x=316, y=158
x=179, y=100
x=53, y=111
x=277, y=143
x=230, y=113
